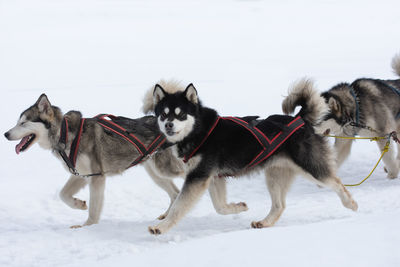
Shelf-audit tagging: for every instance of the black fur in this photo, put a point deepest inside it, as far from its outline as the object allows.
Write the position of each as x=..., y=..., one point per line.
x=230, y=147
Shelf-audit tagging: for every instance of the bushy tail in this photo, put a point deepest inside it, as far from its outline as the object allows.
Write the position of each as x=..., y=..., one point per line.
x=170, y=86
x=303, y=93
x=396, y=64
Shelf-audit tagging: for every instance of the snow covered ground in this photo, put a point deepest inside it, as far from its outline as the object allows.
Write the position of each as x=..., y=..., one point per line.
x=100, y=57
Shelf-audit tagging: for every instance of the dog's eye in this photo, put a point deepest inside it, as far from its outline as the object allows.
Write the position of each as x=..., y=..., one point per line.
x=181, y=116
x=163, y=116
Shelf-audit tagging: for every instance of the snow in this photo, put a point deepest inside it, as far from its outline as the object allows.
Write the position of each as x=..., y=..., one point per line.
x=100, y=57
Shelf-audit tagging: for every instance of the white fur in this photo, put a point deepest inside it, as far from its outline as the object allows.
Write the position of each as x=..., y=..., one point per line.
x=171, y=87
x=330, y=124
x=166, y=110
x=25, y=128
x=177, y=111
x=396, y=64
x=181, y=128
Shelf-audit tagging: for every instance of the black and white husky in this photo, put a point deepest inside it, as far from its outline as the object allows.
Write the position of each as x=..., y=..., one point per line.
x=104, y=152
x=214, y=146
x=364, y=104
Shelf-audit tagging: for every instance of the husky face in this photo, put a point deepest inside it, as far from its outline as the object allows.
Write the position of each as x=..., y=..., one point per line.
x=33, y=125
x=176, y=112
x=342, y=111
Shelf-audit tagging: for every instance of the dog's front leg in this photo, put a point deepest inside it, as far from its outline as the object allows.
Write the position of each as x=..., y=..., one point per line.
x=192, y=190
x=217, y=190
x=391, y=165
x=165, y=183
x=72, y=187
x=96, y=189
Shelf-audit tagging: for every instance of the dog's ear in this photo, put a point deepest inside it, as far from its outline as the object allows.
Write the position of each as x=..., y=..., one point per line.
x=334, y=105
x=191, y=94
x=158, y=94
x=44, y=105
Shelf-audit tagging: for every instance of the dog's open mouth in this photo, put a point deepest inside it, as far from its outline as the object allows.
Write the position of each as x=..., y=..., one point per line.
x=171, y=133
x=25, y=143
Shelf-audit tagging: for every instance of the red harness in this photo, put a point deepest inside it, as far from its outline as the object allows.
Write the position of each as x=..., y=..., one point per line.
x=131, y=138
x=268, y=147
x=106, y=121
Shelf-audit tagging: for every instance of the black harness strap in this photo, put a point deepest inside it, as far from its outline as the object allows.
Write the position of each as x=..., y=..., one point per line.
x=71, y=159
x=143, y=150
x=112, y=126
x=268, y=146
x=187, y=157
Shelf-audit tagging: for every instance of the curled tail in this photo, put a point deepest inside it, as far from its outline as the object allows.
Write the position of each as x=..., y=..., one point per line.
x=396, y=64
x=303, y=93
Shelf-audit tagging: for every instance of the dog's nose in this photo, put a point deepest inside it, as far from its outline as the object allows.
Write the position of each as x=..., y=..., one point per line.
x=169, y=125
x=7, y=135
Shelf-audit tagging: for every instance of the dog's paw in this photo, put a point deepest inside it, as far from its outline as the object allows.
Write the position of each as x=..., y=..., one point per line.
x=242, y=206
x=259, y=225
x=162, y=216
x=391, y=175
x=232, y=208
x=353, y=205
x=76, y=226
x=80, y=204
x=154, y=230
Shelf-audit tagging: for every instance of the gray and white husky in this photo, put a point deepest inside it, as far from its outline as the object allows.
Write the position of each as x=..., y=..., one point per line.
x=362, y=104
x=101, y=151
x=220, y=146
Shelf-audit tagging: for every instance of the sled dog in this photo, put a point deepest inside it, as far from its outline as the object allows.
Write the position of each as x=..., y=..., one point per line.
x=356, y=108
x=103, y=152
x=214, y=146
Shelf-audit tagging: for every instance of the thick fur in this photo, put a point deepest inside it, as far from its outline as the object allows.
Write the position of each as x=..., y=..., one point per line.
x=303, y=94
x=379, y=108
x=171, y=86
x=230, y=148
x=102, y=151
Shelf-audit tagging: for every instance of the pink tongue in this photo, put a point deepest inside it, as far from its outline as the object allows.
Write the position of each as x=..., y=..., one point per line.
x=21, y=144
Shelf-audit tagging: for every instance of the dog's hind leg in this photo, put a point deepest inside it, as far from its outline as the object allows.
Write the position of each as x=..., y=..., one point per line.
x=72, y=187
x=217, y=190
x=192, y=190
x=278, y=180
x=342, y=148
x=391, y=165
x=336, y=185
x=165, y=183
x=96, y=188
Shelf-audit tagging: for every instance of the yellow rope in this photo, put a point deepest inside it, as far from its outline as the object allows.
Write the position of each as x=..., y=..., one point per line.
x=377, y=138
x=385, y=149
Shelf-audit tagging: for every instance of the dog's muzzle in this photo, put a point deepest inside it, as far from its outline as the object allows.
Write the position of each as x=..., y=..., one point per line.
x=169, y=128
